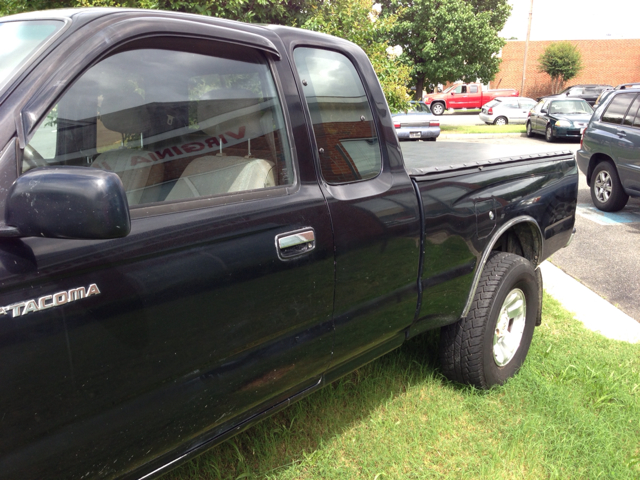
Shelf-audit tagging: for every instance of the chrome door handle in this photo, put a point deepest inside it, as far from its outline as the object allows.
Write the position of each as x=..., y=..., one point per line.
x=621, y=133
x=293, y=244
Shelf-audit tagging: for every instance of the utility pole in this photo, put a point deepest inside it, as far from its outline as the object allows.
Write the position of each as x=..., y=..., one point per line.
x=526, y=49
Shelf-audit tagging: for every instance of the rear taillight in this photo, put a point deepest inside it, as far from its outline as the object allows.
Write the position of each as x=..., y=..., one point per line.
x=490, y=112
x=528, y=113
x=582, y=136
x=397, y=125
x=434, y=123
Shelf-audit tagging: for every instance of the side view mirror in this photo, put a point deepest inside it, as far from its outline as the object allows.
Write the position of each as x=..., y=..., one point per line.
x=67, y=202
x=544, y=110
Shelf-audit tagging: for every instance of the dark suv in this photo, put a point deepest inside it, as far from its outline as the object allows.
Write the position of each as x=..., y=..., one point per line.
x=590, y=93
x=609, y=153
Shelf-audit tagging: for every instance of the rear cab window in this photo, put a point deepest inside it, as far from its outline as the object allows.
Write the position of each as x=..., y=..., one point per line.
x=342, y=119
x=210, y=124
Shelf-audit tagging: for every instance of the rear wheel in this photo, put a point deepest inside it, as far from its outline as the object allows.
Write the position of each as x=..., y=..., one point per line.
x=501, y=121
x=607, y=192
x=437, y=108
x=490, y=344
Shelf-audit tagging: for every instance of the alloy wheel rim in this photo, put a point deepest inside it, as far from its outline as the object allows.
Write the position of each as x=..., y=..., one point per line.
x=509, y=327
x=500, y=121
x=603, y=186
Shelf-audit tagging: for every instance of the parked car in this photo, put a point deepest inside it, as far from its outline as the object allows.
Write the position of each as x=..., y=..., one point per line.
x=589, y=93
x=465, y=95
x=204, y=221
x=504, y=110
x=609, y=153
x=608, y=91
x=559, y=117
x=418, y=123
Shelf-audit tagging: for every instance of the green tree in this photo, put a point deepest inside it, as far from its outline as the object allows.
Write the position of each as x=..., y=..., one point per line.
x=448, y=40
x=356, y=20
x=561, y=61
x=283, y=12
x=361, y=23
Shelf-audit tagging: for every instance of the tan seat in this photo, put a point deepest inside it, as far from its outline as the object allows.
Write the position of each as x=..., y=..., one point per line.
x=221, y=111
x=211, y=175
x=127, y=115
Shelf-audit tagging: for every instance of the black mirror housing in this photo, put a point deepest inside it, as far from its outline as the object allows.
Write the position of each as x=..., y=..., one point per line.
x=68, y=202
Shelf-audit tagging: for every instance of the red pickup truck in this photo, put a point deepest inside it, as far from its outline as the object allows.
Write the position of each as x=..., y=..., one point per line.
x=465, y=95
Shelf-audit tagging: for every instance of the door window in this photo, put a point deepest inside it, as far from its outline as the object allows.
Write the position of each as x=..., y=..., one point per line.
x=631, y=114
x=473, y=89
x=617, y=108
x=342, y=119
x=461, y=89
x=173, y=124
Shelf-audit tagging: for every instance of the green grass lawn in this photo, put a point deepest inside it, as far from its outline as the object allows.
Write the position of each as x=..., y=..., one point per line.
x=482, y=128
x=573, y=412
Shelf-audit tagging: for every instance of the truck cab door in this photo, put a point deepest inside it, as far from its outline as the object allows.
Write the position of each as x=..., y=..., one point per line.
x=373, y=206
x=218, y=303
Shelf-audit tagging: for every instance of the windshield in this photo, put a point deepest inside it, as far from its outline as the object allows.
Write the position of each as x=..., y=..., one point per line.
x=450, y=88
x=568, y=107
x=18, y=40
x=419, y=107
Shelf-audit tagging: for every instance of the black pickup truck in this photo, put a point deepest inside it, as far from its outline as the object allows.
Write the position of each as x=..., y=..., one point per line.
x=204, y=221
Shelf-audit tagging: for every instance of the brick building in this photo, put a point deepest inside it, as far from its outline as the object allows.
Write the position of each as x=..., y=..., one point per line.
x=605, y=62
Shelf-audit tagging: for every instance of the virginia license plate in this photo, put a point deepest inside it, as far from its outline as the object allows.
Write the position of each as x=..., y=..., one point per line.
x=415, y=134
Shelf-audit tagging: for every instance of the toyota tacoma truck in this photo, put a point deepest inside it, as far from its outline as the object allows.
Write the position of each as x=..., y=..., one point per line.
x=465, y=95
x=204, y=221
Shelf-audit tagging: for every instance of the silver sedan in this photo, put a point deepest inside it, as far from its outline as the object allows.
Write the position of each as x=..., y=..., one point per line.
x=504, y=110
x=418, y=123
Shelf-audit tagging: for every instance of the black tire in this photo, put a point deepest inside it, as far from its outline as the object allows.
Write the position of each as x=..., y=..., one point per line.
x=501, y=121
x=432, y=139
x=529, y=129
x=607, y=193
x=467, y=347
x=437, y=108
x=548, y=134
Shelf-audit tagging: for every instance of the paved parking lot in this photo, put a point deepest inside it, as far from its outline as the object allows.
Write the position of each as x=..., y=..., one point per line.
x=604, y=254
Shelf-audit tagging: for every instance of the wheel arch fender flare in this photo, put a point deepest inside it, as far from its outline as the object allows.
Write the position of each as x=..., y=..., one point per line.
x=532, y=250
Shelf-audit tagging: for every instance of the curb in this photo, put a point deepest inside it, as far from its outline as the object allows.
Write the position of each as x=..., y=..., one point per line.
x=591, y=309
x=481, y=135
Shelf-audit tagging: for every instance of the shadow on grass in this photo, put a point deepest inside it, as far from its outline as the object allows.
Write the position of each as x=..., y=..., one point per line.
x=290, y=436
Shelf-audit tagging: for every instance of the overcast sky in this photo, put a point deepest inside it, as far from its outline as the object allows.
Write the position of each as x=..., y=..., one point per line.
x=574, y=19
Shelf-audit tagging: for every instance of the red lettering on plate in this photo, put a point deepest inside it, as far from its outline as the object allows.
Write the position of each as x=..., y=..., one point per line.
x=211, y=142
x=177, y=150
x=238, y=135
x=164, y=153
x=192, y=147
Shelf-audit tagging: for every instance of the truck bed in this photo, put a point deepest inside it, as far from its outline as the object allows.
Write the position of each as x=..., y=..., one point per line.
x=422, y=158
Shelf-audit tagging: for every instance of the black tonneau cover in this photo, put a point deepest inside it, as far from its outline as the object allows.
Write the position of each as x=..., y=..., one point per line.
x=427, y=158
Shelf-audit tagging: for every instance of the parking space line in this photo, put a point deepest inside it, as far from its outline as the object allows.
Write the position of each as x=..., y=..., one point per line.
x=608, y=218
